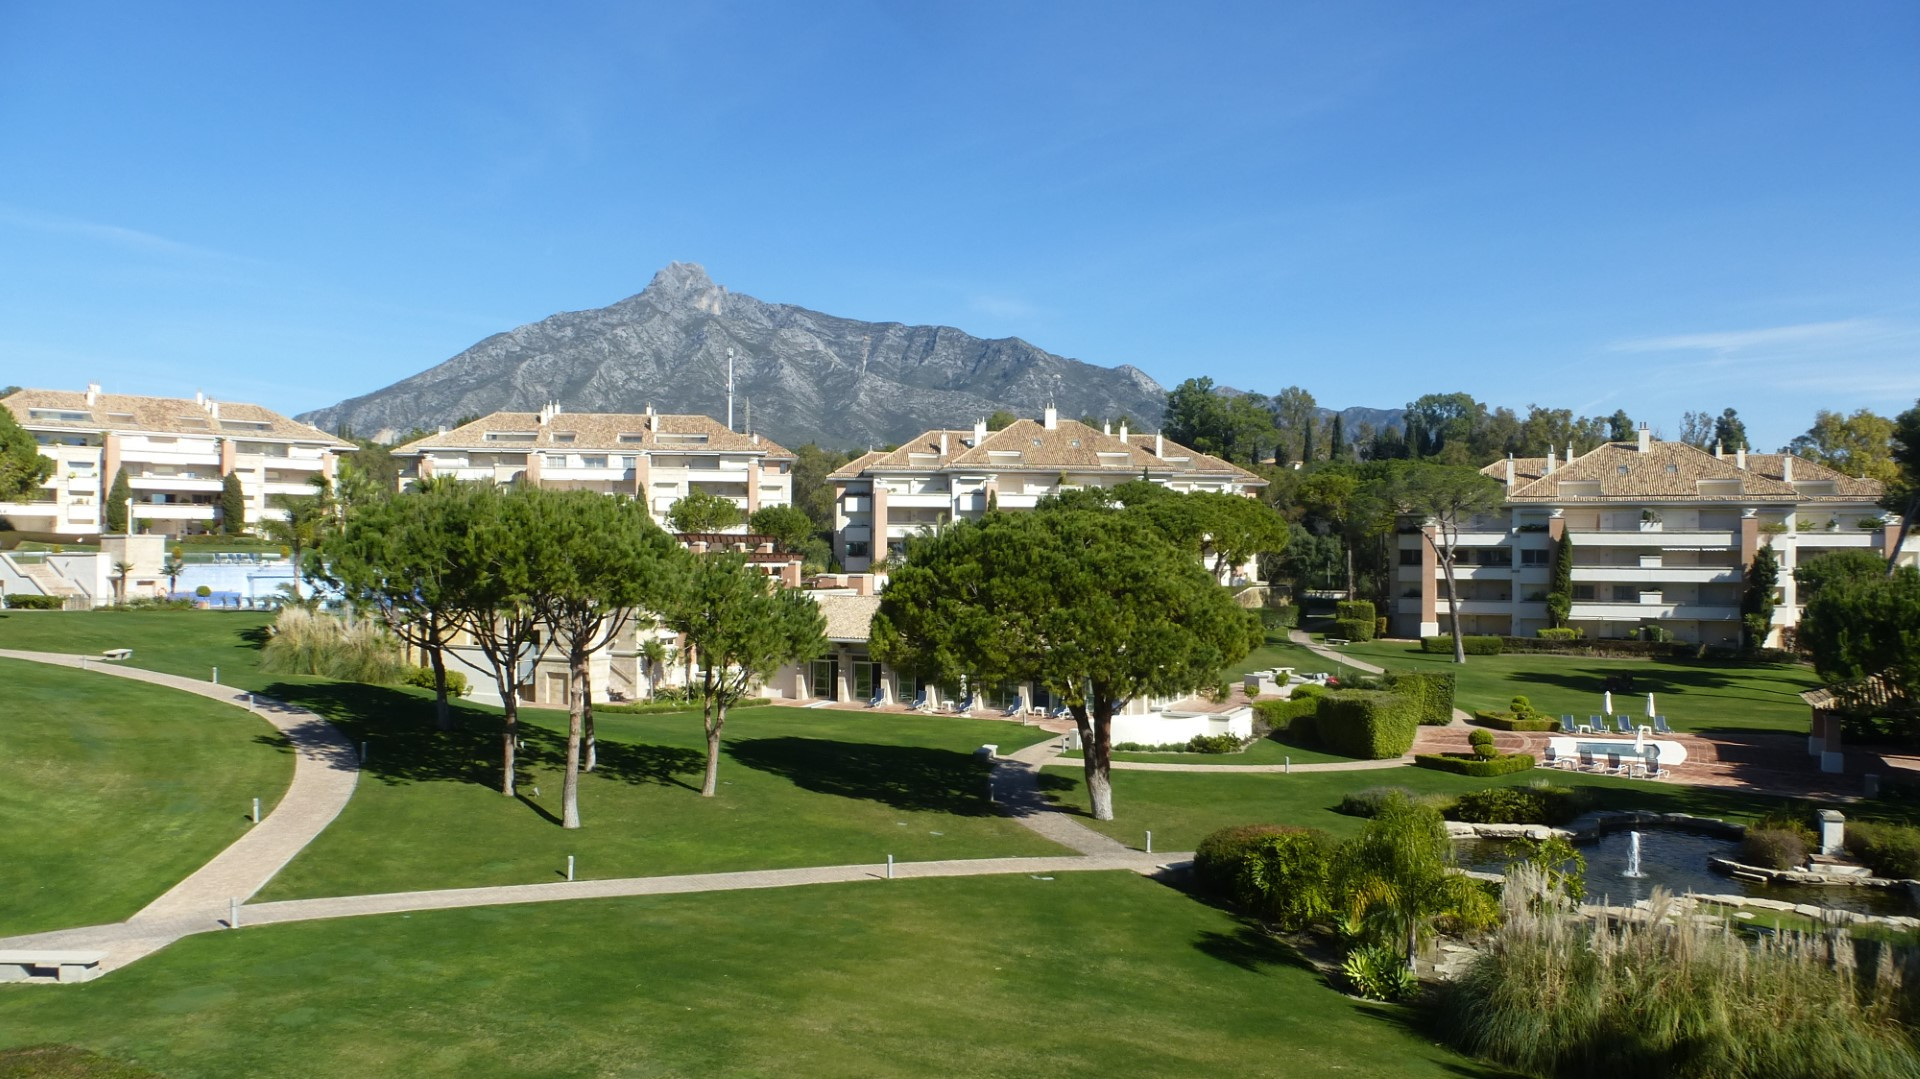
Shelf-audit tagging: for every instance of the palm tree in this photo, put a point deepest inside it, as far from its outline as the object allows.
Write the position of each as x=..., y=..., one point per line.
x=309, y=519
x=120, y=571
x=1398, y=881
x=173, y=567
x=658, y=654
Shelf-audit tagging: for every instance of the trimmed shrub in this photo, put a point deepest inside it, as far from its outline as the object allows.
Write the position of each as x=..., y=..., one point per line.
x=1480, y=738
x=456, y=681
x=1432, y=692
x=1890, y=850
x=1473, y=646
x=1354, y=610
x=1380, y=627
x=1308, y=690
x=24, y=601
x=1214, y=743
x=1216, y=861
x=1564, y=633
x=1519, y=805
x=1368, y=724
x=1507, y=721
x=1773, y=848
x=1520, y=705
x=1353, y=629
x=1283, y=617
x=203, y=591
x=1290, y=717
x=1473, y=766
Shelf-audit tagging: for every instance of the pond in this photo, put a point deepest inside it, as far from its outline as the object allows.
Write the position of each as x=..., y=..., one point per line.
x=1677, y=861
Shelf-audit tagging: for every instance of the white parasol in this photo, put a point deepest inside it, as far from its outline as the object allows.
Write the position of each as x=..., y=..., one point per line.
x=1606, y=709
x=1649, y=706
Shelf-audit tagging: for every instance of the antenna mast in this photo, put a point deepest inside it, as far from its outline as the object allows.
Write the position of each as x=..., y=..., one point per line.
x=729, y=389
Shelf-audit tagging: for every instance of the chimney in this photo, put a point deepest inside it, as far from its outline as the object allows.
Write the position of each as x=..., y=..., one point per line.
x=1106, y=427
x=443, y=428
x=1549, y=460
x=93, y=393
x=213, y=408
x=200, y=398
x=979, y=431
x=755, y=439
x=1159, y=444
x=1719, y=452
x=1646, y=437
x=1740, y=458
x=1123, y=430
x=1050, y=419
x=1786, y=467
x=943, y=443
x=1509, y=471
x=1569, y=451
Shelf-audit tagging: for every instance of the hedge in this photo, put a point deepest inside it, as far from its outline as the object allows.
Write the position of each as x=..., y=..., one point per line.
x=1474, y=646
x=1507, y=721
x=1283, y=617
x=26, y=601
x=1216, y=861
x=1473, y=766
x=1518, y=805
x=1564, y=633
x=1431, y=691
x=1353, y=629
x=648, y=708
x=1358, y=610
x=1290, y=716
x=1367, y=724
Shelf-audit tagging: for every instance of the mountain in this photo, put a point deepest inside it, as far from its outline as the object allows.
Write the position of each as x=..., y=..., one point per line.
x=806, y=376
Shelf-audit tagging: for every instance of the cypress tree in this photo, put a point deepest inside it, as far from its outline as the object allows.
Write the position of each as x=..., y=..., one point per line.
x=233, y=505
x=1338, y=450
x=1756, y=606
x=1306, y=442
x=1560, y=597
x=118, y=492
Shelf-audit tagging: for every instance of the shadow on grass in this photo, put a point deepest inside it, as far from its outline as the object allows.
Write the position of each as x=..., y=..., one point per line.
x=904, y=777
x=633, y=762
x=1250, y=948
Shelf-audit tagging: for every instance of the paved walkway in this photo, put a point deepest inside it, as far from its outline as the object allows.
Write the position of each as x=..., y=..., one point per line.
x=325, y=770
x=1305, y=640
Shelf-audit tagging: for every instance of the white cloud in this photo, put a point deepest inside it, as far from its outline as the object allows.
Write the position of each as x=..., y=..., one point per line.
x=1772, y=337
x=112, y=235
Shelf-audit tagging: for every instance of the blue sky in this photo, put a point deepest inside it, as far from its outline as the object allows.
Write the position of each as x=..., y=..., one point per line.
x=1656, y=207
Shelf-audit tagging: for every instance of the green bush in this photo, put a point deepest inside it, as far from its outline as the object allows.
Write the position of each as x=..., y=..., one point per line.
x=1520, y=705
x=1353, y=610
x=1473, y=766
x=1284, y=877
x=1519, y=805
x=1473, y=646
x=24, y=601
x=1353, y=629
x=1283, y=617
x=1307, y=690
x=203, y=591
x=1890, y=850
x=1507, y=721
x=456, y=681
x=1367, y=801
x=1480, y=738
x=1216, y=861
x=1368, y=724
x=1431, y=690
x=1214, y=743
x=1378, y=972
x=301, y=642
x=1773, y=848
x=1564, y=633
x=1380, y=626
x=664, y=702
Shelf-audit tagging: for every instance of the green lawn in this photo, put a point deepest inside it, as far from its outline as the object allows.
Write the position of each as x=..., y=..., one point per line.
x=1698, y=696
x=1268, y=750
x=797, y=787
x=112, y=791
x=1083, y=975
x=1279, y=652
x=1180, y=808
x=189, y=643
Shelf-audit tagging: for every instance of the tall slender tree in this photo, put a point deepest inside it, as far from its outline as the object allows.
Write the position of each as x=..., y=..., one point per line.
x=1756, y=604
x=1338, y=448
x=232, y=505
x=1445, y=498
x=605, y=561
x=119, y=493
x=742, y=628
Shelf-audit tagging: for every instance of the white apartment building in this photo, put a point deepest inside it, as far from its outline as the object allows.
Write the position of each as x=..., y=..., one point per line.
x=175, y=453
x=882, y=498
x=653, y=456
x=1661, y=533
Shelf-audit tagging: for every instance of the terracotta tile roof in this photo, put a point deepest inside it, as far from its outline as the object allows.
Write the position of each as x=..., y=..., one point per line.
x=849, y=618
x=599, y=431
x=1668, y=470
x=853, y=468
x=1028, y=444
x=1525, y=470
x=165, y=415
x=1773, y=466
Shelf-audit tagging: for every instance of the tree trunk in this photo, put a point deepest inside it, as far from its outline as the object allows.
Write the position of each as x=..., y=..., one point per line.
x=1095, y=721
x=586, y=726
x=1453, y=598
x=1413, y=943
x=570, y=786
x=511, y=704
x=1900, y=539
x=442, y=715
x=715, y=722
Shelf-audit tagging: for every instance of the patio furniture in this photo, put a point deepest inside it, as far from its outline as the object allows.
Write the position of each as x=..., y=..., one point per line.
x=878, y=700
x=1587, y=762
x=1621, y=725
x=965, y=707
x=1591, y=725
x=1660, y=725
x=919, y=703
x=1566, y=724
x=1011, y=710
x=1613, y=765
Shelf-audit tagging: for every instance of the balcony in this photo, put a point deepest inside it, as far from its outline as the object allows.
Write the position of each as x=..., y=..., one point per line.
x=1015, y=501
x=1838, y=538
x=1669, y=540
x=925, y=500
x=207, y=458
x=1634, y=612
x=1475, y=573
x=1657, y=575
x=604, y=474
x=1471, y=606
x=197, y=484
x=171, y=512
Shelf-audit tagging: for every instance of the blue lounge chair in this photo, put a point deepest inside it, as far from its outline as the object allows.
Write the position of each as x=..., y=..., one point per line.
x=1592, y=725
x=1566, y=724
x=1622, y=725
x=1011, y=710
x=920, y=702
x=965, y=706
x=878, y=700
x=1660, y=725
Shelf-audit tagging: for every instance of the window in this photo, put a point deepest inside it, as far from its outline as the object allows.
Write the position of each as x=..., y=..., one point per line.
x=630, y=438
x=563, y=436
x=1626, y=593
x=1623, y=470
x=1583, y=592
x=857, y=548
x=1534, y=556
x=508, y=436
x=826, y=679
x=1409, y=556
